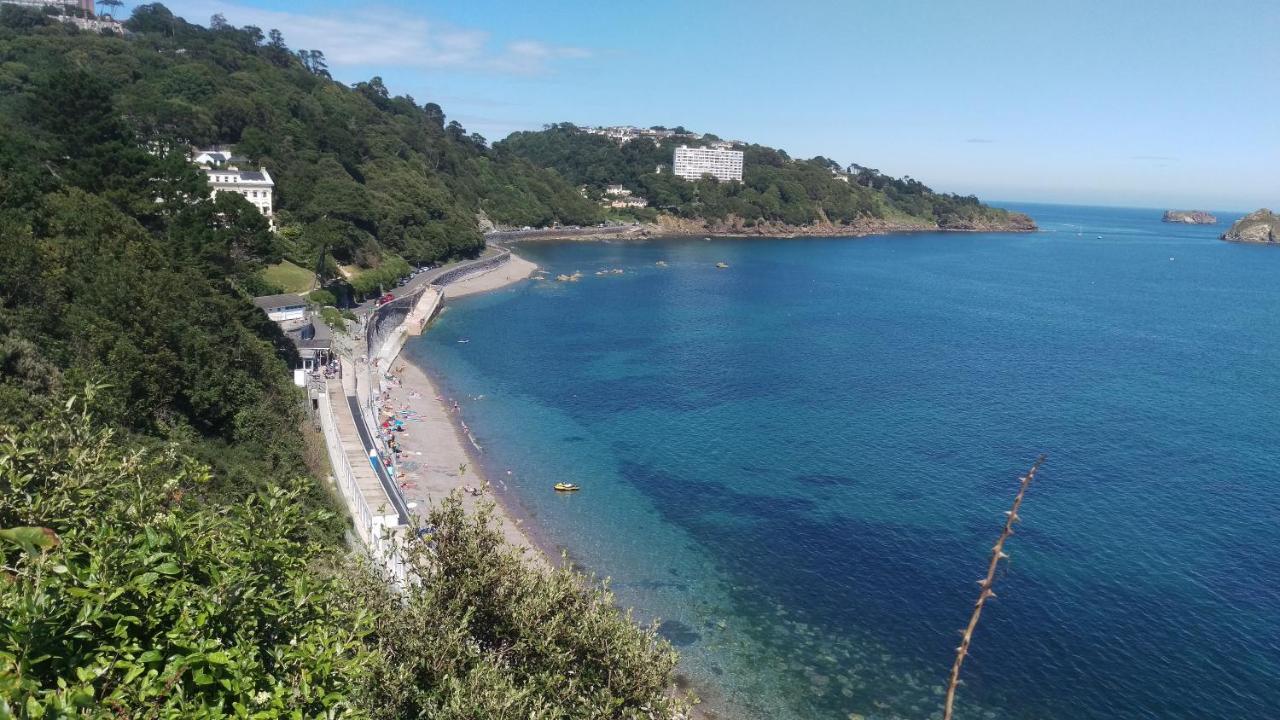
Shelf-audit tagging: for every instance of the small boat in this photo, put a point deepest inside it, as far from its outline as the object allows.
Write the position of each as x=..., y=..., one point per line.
x=566, y=487
x=721, y=265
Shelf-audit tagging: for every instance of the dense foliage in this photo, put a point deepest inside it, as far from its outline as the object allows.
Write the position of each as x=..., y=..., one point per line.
x=162, y=551
x=122, y=596
x=775, y=188
x=491, y=637
x=116, y=268
x=360, y=173
x=147, y=603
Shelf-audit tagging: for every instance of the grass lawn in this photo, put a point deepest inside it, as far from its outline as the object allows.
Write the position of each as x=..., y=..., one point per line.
x=290, y=277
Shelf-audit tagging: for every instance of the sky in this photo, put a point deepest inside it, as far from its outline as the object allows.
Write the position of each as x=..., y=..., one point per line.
x=1146, y=103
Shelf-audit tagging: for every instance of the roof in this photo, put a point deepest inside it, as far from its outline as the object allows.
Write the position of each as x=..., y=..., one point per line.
x=233, y=177
x=275, y=302
x=312, y=336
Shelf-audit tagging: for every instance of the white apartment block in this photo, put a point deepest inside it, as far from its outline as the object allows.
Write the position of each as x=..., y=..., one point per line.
x=693, y=163
x=85, y=6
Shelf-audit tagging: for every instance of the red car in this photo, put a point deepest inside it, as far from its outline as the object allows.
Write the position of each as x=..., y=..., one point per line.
x=386, y=299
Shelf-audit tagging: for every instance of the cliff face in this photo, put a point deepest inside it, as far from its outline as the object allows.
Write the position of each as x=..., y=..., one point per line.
x=1262, y=226
x=670, y=225
x=1015, y=222
x=1190, y=217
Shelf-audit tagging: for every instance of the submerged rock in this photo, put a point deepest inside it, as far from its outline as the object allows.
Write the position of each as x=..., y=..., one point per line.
x=1261, y=226
x=1189, y=217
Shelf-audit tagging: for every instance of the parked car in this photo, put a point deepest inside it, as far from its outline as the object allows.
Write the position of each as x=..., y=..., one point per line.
x=386, y=299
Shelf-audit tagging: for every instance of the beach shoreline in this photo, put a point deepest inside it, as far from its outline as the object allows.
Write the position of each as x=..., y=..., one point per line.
x=438, y=455
x=674, y=229
x=510, y=272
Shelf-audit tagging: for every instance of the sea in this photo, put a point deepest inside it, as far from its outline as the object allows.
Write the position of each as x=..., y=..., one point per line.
x=798, y=464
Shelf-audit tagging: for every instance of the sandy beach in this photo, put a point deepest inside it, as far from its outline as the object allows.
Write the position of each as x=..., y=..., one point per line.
x=437, y=454
x=509, y=272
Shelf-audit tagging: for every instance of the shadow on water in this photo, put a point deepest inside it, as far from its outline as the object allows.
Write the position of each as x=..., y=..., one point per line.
x=678, y=634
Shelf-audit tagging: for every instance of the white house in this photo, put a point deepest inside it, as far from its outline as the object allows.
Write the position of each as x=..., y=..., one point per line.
x=628, y=201
x=288, y=311
x=215, y=157
x=224, y=174
x=255, y=185
x=310, y=336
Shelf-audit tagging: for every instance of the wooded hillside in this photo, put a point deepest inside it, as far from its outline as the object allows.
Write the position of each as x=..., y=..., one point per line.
x=775, y=188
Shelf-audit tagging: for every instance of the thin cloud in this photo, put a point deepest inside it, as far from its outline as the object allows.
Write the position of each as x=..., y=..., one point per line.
x=980, y=141
x=389, y=38
x=1152, y=158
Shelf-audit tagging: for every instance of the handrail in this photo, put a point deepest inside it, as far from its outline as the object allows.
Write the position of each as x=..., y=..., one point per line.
x=372, y=529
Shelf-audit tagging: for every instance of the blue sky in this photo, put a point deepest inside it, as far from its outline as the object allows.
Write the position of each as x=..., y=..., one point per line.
x=1126, y=102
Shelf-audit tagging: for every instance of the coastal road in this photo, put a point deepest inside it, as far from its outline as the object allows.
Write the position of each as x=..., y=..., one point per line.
x=501, y=236
x=426, y=278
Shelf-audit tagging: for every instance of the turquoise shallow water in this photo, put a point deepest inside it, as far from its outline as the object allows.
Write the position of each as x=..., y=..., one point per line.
x=800, y=463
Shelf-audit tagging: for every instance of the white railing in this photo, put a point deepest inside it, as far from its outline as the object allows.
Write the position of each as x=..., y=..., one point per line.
x=359, y=510
x=377, y=532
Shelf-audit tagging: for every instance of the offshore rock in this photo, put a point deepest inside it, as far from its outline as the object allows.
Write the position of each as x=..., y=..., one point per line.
x=1260, y=226
x=1190, y=217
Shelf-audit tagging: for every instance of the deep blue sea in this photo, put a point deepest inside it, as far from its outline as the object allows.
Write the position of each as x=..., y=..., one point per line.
x=800, y=463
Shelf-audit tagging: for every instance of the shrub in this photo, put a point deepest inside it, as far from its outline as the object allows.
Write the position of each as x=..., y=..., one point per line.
x=322, y=298
x=488, y=634
x=152, y=601
x=123, y=596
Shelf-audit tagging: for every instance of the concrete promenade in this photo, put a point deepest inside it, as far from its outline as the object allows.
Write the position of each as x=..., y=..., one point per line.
x=374, y=498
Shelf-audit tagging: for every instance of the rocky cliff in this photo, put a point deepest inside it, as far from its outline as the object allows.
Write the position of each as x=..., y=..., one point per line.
x=1190, y=217
x=1261, y=226
x=669, y=225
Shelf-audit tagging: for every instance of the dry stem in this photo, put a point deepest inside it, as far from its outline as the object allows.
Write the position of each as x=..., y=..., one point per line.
x=997, y=554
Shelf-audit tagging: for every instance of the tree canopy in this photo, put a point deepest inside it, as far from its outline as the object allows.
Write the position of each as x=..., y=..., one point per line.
x=363, y=175
x=775, y=187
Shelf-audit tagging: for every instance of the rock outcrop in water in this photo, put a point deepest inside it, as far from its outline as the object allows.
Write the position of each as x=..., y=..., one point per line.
x=1260, y=226
x=1190, y=217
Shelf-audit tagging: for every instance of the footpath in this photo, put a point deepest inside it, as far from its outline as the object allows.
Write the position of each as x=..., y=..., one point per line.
x=378, y=494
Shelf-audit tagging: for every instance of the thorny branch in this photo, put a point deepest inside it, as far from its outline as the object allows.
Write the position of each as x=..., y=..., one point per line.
x=997, y=554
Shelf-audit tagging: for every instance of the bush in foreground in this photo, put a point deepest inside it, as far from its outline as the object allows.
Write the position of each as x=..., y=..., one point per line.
x=489, y=635
x=138, y=601
x=150, y=605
